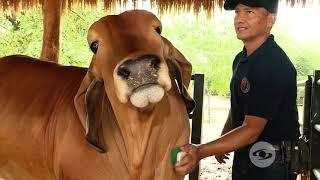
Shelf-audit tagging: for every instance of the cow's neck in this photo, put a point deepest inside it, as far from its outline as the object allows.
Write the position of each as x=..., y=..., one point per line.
x=135, y=127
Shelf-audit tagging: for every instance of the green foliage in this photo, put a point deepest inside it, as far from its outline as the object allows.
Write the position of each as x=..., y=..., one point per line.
x=209, y=44
x=303, y=66
x=26, y=39
x=75, y=25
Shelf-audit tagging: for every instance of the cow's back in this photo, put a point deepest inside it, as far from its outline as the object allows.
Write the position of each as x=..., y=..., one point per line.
x=32, y=92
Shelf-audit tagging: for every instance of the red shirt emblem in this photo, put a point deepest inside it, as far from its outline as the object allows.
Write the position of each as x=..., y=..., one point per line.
x=245, y=86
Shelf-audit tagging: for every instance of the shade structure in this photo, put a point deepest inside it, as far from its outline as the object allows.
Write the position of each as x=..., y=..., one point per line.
x=163, y=5
x=52, y=11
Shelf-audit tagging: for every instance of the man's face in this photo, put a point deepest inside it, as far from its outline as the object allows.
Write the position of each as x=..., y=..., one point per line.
x=252, y=23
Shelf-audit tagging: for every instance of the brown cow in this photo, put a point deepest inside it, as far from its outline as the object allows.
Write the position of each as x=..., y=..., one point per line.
x=119, y=119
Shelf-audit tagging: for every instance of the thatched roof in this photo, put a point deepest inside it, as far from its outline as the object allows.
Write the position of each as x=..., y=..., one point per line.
x=163, y=5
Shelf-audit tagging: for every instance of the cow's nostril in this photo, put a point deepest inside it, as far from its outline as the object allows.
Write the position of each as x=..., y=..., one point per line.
x=155, y=62
x=123, y=72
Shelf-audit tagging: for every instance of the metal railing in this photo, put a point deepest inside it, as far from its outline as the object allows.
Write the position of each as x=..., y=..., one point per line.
x=303, y=82
x=311, y=121
x=316, y=173
x=317, y=127
x=196, y=116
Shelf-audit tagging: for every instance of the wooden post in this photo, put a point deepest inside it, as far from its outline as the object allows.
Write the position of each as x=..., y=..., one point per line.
x=51, y=11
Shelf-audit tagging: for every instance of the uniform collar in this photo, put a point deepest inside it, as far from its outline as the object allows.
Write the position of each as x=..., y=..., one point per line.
x=259, y=51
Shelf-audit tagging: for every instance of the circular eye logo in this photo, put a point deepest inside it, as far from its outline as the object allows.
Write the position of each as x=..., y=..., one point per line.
x=245, y=85
x=262, y=154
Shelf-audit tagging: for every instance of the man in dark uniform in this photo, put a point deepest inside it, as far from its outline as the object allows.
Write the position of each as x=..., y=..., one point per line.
x=263, y=114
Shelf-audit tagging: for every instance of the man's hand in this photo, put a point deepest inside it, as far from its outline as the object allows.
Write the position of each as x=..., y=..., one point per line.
x=189, y=161
x=221, y=158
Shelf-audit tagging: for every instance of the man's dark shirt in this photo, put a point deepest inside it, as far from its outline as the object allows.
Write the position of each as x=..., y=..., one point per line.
x=264, y=85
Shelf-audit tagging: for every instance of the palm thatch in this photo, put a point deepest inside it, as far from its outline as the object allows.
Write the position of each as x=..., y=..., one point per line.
x=163, y=5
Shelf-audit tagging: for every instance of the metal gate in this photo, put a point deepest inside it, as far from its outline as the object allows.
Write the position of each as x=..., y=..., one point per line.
x=311, y=122
x=196, y=116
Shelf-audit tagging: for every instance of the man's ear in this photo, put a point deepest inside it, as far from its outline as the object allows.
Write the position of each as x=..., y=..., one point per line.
x=88, y=104
x=180, y=70
x=272, y=17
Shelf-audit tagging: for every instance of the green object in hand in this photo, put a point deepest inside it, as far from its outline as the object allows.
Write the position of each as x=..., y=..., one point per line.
x=176, y=155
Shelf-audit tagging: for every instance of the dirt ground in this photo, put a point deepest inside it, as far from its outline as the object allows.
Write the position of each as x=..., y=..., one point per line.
x=215, y=112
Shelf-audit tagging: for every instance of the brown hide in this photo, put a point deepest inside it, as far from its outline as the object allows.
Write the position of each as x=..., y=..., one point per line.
x=60, y=122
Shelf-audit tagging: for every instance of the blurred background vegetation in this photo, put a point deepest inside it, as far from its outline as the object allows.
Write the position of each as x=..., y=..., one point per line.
x=209, y=43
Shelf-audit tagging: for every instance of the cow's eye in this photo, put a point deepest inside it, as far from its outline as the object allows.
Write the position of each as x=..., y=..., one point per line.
x=158, y=29
x=94, y=47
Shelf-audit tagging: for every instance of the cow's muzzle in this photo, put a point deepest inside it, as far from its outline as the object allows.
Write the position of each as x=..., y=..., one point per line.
x=139, y=72
x=146, y=79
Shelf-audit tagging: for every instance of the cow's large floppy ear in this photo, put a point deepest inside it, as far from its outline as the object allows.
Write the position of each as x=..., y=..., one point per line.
x=180, y=69
x=88, y=103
